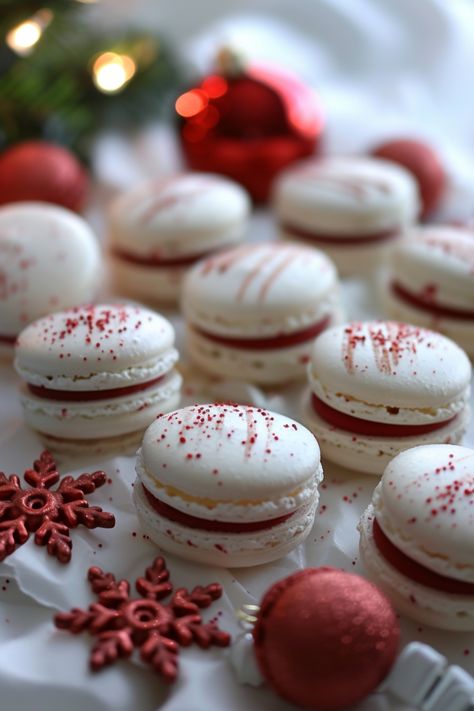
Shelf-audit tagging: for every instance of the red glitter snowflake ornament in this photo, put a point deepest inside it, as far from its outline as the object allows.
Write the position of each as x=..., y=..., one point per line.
x=48, y=514
x=122, y=623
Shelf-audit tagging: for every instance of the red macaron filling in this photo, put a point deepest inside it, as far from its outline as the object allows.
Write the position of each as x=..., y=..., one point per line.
x=340, y=240
x=7, y=339
x=356, y=425
x=205, y=524
x=429, y=305
x=415, y=571
x=272, y=342
x=156, y=260
x=88, y=395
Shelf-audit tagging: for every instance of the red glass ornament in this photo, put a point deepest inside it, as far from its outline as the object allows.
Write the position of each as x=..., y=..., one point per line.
x=37, y=170
x=325, y=639
x=249, y=125
x=424, y=164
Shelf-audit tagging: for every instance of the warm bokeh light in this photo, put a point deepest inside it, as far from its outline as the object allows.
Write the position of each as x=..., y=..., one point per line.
x=22, y=38
x=214, y=86
x=111, y=71
x=191, y=103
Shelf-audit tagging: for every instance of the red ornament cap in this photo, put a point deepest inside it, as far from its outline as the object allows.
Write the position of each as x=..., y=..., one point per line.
x=122, y=623
x=325, y=639
x=248, y=122
x=37, y=170
x=424, y=164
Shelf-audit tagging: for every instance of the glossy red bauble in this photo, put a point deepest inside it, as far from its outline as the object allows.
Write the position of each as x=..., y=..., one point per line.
x=424, y=164
x=325, y=639
x=249, y=126
x=37, y=170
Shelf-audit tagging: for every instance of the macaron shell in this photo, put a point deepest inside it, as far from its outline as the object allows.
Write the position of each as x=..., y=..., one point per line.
x=150, y=284
x=437, y=262
x=49, y=259
x=346, y=196
x=262, y=368
x=370, y=455
x=178, y=215
x=385, y=363
x=87, y=340
x=425, y=506
x=351, y=259
x=228, y=550
x=461, y=331
x=268, y=367
x=259, y=290
x=104, y=418
x=426, y=605
x=229, y=453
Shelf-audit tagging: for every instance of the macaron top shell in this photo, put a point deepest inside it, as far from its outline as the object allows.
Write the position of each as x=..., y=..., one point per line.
x=425, y=506
x=49, y=259
x=347, y=195
x=438, y=263
x=150, y=218
x=259, y=289
x=228, y=453
x=391, y=365
x=103, y=341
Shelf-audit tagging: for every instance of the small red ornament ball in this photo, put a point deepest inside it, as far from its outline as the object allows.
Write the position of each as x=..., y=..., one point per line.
x=249, y=124
x=325, y=639
x=423, y=162
x=37, y=170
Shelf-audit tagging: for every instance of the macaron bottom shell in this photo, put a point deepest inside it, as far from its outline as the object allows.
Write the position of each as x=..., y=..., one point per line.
x=148, y=283
x=76, y=422
x=459, y=330
x=86, y=449
x=350, y=260
x=263, y=367
x=427, y=605
x=228, y=550
x=370, y=455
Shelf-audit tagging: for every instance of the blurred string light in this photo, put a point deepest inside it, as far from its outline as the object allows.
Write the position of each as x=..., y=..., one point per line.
x=193, y=102
x=195, y=106
x=111, y=71
x=23, y=37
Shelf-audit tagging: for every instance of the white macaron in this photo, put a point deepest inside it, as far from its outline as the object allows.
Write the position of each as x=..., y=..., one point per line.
x=161, y=228
x=379, y=387
x=417, y=535
x=49, y=260
x=430, y=281
x=253, y=312
x=351, y=207
x=227, y=485
x=96, y=376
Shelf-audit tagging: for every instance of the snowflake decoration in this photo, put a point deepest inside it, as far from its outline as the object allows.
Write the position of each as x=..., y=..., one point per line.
x=122, y=623
x=48, y=514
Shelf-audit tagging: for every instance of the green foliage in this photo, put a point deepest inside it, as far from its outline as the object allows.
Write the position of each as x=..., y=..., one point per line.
x=50, y=95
